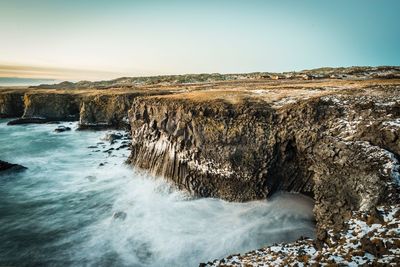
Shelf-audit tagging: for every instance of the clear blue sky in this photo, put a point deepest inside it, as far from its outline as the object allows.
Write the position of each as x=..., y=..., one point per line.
x=164, y=37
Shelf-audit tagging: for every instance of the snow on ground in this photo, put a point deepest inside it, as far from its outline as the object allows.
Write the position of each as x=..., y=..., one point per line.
x=367, y=239
x=393, y=123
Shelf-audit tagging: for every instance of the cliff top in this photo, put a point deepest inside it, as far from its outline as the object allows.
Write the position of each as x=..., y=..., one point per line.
x=276, y=89
x=278, y=93
x=320, y=73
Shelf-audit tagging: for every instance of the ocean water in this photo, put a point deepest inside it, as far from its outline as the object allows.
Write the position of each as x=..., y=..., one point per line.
x=60, y=211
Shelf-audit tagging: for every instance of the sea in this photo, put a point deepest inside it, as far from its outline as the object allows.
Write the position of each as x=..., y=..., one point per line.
x=79, y=203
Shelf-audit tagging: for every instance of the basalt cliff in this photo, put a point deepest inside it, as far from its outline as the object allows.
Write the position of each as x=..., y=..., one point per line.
x=335, y=141
x=331, y=134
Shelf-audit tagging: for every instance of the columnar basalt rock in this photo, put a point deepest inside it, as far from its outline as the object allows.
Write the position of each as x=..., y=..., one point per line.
x=216, y=151
x=321, y=146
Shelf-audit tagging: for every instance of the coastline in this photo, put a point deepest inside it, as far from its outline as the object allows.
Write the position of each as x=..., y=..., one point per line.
x=334, y=139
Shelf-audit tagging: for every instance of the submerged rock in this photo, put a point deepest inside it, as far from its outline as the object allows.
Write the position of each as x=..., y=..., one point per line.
x=122, y=146
x=61, y=129
x=119, y=215
x=6, y=166
x=111, y=137
x=91, y=178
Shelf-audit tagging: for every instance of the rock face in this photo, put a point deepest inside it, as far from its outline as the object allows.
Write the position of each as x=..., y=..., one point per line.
x=54, y=106
x=11, y=105
x=215, y=150
x=93, y=109
x=105, y=110
x=349, y=144
x=339, y=146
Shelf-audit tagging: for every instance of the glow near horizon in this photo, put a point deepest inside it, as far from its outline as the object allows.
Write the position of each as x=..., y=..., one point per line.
x=115, y=38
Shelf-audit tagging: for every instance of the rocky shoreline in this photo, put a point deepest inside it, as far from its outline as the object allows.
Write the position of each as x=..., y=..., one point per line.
x=335, y=138
x=365, y=240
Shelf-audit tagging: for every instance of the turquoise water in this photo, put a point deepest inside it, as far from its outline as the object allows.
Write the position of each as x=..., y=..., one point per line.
x=59, y=212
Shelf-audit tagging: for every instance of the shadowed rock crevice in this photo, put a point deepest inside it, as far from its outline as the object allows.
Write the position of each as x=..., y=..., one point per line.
x=289, y=172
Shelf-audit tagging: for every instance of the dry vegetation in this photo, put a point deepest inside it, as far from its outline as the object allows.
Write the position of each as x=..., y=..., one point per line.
x=271, y=88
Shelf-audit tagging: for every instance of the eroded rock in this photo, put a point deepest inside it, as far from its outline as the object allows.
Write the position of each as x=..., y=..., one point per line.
x=7, y=167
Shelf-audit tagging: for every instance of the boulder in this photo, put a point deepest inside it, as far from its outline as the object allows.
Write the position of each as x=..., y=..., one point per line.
x=61, y=129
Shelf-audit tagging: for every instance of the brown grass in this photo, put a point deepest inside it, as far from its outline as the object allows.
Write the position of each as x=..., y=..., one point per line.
x=271, y=91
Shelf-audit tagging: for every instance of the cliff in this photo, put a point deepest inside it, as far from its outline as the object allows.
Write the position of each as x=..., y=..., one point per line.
x=11, y=104
x=338, y=144
x=105, y=110
x=92, y=108
x=52, y=106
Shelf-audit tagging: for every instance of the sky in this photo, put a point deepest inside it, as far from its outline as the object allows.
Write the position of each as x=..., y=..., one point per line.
x=99, y=39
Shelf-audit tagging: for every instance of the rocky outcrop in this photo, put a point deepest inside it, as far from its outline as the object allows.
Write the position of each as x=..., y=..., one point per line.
x=11, y=104
x=342, y=142
x=105, y=110
x=93, y=109
x=340, y=147
x=217, y=150
x=7, y=167
x=52, y=106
